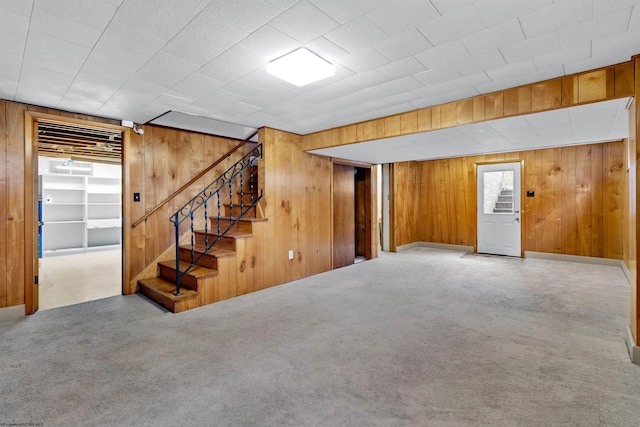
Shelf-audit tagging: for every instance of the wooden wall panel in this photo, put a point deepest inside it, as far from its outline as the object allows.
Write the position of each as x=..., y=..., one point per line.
x=576, y=210
x=16, y=203
x=615, y=81
x=4, y=205
x=405, y=182
x=344, y=249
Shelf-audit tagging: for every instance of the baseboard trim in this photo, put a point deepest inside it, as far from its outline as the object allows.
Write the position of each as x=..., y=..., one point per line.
x=575, y=258
x=632, y=348
x=445, y=246
x=626, y=272
x=13, y=312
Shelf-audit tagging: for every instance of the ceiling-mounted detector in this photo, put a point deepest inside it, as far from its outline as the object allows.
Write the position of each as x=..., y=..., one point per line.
x=132, y=125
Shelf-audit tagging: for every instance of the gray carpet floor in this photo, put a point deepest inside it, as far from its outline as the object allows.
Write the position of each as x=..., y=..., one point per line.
x=425, y=337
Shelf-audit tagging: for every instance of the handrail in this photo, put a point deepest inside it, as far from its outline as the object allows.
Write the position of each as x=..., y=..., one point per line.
x=202, y=200
x=194, y=179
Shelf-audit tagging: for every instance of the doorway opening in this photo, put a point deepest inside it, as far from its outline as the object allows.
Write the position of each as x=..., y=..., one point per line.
x=354, y=214
x=498, y=195
x=79, y=213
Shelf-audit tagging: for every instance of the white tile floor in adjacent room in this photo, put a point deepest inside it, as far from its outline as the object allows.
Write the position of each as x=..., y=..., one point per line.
x=72, y=279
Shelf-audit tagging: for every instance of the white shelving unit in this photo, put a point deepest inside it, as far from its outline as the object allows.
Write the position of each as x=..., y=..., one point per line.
x=80, y=213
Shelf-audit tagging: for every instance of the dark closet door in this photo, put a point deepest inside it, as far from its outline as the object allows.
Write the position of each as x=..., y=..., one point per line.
x=344, y=249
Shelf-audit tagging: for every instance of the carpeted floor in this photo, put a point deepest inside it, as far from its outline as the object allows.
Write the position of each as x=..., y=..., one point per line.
x=425, y=337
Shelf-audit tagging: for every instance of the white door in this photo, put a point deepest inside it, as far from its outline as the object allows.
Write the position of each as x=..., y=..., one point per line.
x=499, y=230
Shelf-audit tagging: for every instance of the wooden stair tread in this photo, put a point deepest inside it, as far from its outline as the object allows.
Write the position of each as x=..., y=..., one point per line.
x=233, y=234
x=245, y=219
x=166, y=289
x=217, y=252
x=197, y=272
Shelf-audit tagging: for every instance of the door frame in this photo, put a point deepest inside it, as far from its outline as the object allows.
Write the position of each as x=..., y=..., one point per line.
x=371, y=187
x=522, y=210
x=31, y=119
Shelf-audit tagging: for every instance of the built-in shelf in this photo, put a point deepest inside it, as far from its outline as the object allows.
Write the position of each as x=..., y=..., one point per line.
x=81, y=213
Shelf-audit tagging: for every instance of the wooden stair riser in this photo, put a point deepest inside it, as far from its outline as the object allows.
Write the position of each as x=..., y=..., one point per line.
x=186, y=281
x=228, y=243
x=226, y=223
x=236, y=211
x=161, y=291
x=207, y=260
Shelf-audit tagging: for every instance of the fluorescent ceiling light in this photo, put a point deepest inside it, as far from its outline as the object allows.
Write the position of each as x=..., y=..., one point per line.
x=300, y=67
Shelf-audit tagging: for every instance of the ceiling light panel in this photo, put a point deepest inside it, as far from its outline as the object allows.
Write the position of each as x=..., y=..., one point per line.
x=301, y=67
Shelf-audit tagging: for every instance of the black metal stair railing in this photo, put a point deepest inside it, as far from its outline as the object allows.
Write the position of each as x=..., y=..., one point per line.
x=209, y=203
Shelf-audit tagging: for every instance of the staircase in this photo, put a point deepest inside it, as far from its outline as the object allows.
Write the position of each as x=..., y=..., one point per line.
x=214, y=259
x=504, y=204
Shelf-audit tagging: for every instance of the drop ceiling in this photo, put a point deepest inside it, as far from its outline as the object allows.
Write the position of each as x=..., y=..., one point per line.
x=138, y=59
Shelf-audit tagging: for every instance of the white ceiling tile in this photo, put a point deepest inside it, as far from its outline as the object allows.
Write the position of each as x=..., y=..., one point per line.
x=8, y=87
x=12, y=44
x=602, y=7
x=191, y=50
x=447, y=6
x=268, y=43
x=446, y=54
x=402, y=68
x=23, y=7
x=437, y=75
x=13, y=23
x=493, y=38
x=471, y=80
x=626, y=43
x=326, y=49
x=356, y=34
x=326, y=93
x=138, y=91
x=634, y=22
x=162, y=19
x=541, y=75
x=48, y=45
x=571, y=54
x=427, y=102
x=498, y=85
x=213, y=32
x=94, y=13
x=452, y=26
x=51, y=63
x=399, y=16
x=345, y=11
x=247, y=14
x=512, y=70
x=64, y=28
x=10, y=66
x=479, y=63
x=496, y=11
x=611, y=57
x=283, y=4
x=43, y=74
x=405, y=44
x=304, y=22
x=555, y=17
x=532, y=47
x=116, y=3
x=90, y=91
x=126, y=47
x=195, y=86
x=36, y=92
x=431, y=91
x=363, y=60
x=368, y=78
x=218, y=97
x=165, y=70
x=97, y=70
x=460, y=94
x=404, y=84
x=594, y=29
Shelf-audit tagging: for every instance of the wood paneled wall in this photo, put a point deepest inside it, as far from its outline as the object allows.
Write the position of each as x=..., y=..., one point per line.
x=160, y=162
x=12, y=202
x=577, y=208
x=297, y=203
x=611, y=82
